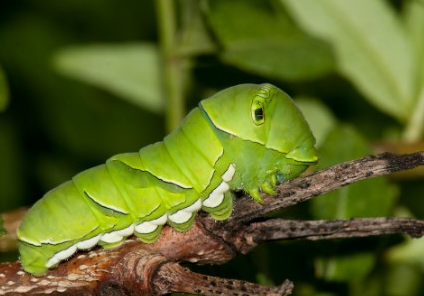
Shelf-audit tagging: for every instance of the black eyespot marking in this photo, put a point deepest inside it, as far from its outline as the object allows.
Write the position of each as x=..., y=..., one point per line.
x=260, y=101
x=259, y=114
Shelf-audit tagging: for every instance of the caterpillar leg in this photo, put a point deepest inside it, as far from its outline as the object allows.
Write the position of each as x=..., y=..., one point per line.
x=150, y=237
x=182, y=220
x=222, y=210
x=149, y=231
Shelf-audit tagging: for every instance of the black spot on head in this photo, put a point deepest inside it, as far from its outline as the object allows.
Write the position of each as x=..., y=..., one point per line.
x=259, y=114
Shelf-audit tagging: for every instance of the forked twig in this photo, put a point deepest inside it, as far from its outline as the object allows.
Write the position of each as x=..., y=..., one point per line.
x=152, y=269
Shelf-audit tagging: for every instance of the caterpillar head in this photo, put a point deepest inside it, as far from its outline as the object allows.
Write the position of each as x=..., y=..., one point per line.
x=263, y=114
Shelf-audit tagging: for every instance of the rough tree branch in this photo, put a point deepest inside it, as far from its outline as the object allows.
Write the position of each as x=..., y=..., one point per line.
x=152, y=269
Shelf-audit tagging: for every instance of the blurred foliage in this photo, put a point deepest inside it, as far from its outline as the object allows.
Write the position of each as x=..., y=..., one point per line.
x=265, y=42
x=4, y=91
x=112, y=68
x=2, y=230
x=89, y=79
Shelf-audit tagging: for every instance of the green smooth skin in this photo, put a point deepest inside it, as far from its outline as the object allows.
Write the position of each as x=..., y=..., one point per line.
x=195, y=149
x=284, y=128
x=34, y=259
x=135, y=185
x=55, y=221
x=279, y=147
x=255, y=128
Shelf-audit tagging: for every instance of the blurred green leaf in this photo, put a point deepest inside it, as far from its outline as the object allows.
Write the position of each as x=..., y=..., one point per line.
x=345, y=268
x=370, y=44
x=4, y=91
x=368, y=198
x=195, y=35
x=319, y=117
x=11, y=167
x=413, y=14
x=411, y=252
x=403, y=279
x=260, y=38
x=264, y=279
x=2, y=230
x=131, y=71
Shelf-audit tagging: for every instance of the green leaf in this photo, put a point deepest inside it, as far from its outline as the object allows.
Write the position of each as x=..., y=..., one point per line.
x=259, y=38
x=195, y=36
x=413, y=14
x=130, y=71
x=369, y=198
x=345, y=268
x=4, y=91
x=370, y=45
x=411, y=251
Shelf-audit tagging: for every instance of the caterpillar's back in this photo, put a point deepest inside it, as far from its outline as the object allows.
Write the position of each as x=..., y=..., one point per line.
x=245, y=137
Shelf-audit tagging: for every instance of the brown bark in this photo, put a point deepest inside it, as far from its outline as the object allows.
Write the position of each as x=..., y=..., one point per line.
x=153, y=269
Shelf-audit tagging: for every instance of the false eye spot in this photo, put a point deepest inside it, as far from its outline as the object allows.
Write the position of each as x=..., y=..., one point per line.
x=257, y=109
x=259, y=114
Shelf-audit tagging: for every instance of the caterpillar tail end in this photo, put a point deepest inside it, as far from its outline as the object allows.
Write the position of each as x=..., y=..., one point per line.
x=224, y=210
x=33, y=259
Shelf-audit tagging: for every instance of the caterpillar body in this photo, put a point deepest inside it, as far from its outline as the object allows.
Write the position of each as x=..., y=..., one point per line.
x=247, y=137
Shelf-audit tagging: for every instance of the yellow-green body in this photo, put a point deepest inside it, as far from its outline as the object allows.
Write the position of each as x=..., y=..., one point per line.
x=246, y=137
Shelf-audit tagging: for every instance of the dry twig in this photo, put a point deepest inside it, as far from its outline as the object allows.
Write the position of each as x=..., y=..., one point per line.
x=153, y=269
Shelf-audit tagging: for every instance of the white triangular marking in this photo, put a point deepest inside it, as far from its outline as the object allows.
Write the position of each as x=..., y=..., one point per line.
x=180, y=217
x=62, y=255
x=145, y=227
x=216, y=196
x=88, y=243
x=229, y=173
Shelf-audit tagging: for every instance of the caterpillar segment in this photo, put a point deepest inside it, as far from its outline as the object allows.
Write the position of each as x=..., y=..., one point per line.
x=248, y=137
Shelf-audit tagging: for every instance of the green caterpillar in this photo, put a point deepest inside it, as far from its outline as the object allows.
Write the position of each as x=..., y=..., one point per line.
x=247, y=137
